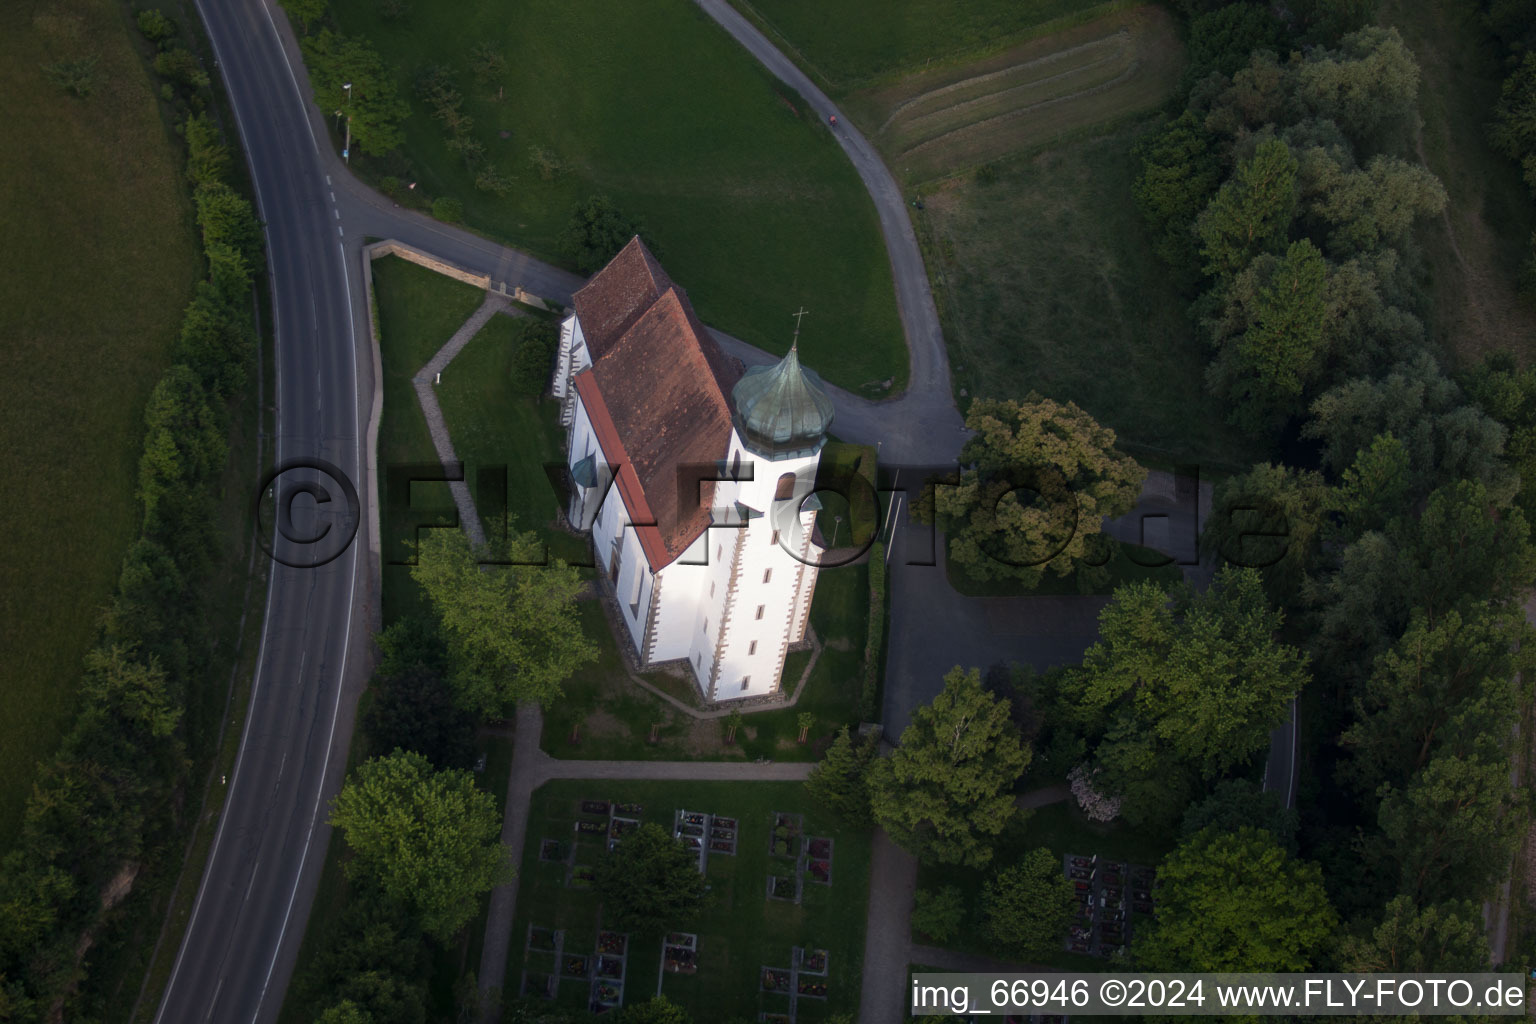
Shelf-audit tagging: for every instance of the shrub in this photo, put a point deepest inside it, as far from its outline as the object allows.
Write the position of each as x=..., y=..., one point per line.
x=448, y=209
x=869, y=691
x=534, y=361
x=489, y=179
x=939, y=913
x=76, y=77
x=155, y=26
x=596, y=233
x=181, y=67
x=207, y=156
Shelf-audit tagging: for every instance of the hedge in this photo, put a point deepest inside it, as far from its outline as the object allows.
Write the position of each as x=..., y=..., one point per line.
x=869, y=692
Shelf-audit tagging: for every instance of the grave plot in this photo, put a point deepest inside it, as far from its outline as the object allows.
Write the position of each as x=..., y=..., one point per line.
x=680, y=953
x=722, y=836
x=806, y=978
x=786, y=881
x=608, y=968
x=784, y=840
x=541, y=960
x=818, y=860
x=554, y=851
x=1110, y=896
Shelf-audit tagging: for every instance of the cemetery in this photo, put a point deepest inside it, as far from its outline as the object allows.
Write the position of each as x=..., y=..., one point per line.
x=1111, y=897
x=789, y=950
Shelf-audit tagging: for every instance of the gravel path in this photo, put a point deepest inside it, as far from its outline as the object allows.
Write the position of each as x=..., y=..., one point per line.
x=425, y=381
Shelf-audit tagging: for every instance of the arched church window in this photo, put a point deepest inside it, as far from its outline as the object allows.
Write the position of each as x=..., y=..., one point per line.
x=786, y=487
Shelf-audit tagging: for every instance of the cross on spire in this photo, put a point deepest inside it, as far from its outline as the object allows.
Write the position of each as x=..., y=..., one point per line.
x=797, y=314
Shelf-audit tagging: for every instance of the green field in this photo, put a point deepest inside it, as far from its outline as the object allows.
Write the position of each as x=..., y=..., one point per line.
x=418, y=312
x=506, y=435
x=739, y=934
x=1046, y=282
x=1475, y=250
x=102, y=258
x=755, y=209
x=962, y=116
x=855, y=43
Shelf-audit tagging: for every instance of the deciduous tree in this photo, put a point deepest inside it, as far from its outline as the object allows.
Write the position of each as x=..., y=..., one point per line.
x=512, y=631
x=373, y=105
x=1028, y=905
x=945, y=792
x=1410, y=939
x=1044, y=475
x=430, y=838
x=1235, y=901
x=651, y=882
x=1251, y=213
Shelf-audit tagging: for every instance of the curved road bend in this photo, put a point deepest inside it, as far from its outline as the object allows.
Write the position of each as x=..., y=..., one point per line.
x=253, y=902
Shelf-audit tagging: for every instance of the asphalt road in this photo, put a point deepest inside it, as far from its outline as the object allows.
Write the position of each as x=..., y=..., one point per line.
x=248, y=919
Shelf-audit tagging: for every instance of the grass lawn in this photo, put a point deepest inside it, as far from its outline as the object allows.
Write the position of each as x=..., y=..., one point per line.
x=739, y=934
x=1062, y=829
x=1131, y=563
x=615, y=716
x=104, y=257
x=418, y=312
x=1046, y=282
x=506, y=435
x=754, y=207
x=856, y=42
x=1474, y=252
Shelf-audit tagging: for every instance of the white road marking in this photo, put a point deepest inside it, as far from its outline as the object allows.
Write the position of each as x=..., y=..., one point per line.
x=297, y=92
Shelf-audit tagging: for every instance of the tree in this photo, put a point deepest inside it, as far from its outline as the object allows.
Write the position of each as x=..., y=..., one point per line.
x=1252, y=211
x=1412, y=939
x=1028, y=905
x=345, y=1012
x=533, y=362
x=838, y=782
x=154, y=25
x=1236, y=803
x=1055, y=451
x=1180, y=171
x=1377, y=206
x=1369, y=85
x=1222, y=40
x=486, y=63
x=430, y=838
x=1271, y=519
x=1327, y=20
x=1235, y=901
x=596, y=233
x=945, y=792
x=306, y=12
x=650, y=883
x=939, y=913
x=803, y=721
x=415, y=710
x=372, y=106
x=1376, y=489
x=1446, y=440
x=1508, y=394
x=181, y=67
x=1443, y=684
x=1453, y=827
x=1513, y=131
x=657, y=1010
x=1195, y=682
x=1272, y=336
x=226, y=218
x=207, y=156
x=512, y=631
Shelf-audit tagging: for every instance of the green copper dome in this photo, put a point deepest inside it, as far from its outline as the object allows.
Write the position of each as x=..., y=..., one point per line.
x=782, y=411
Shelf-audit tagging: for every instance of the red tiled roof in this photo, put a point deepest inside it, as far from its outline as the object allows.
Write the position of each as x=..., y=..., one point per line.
x=656, y=394
x=618, y=294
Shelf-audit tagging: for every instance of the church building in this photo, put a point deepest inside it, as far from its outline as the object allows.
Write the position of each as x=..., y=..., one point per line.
x=694, y=478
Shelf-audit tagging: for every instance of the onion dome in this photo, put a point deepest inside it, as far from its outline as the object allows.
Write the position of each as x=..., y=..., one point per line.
x=782, y=411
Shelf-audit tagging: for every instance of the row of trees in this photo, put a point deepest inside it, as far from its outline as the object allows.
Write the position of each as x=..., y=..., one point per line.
x=1513, y=131
x=112, y=798
x=1282, y=195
